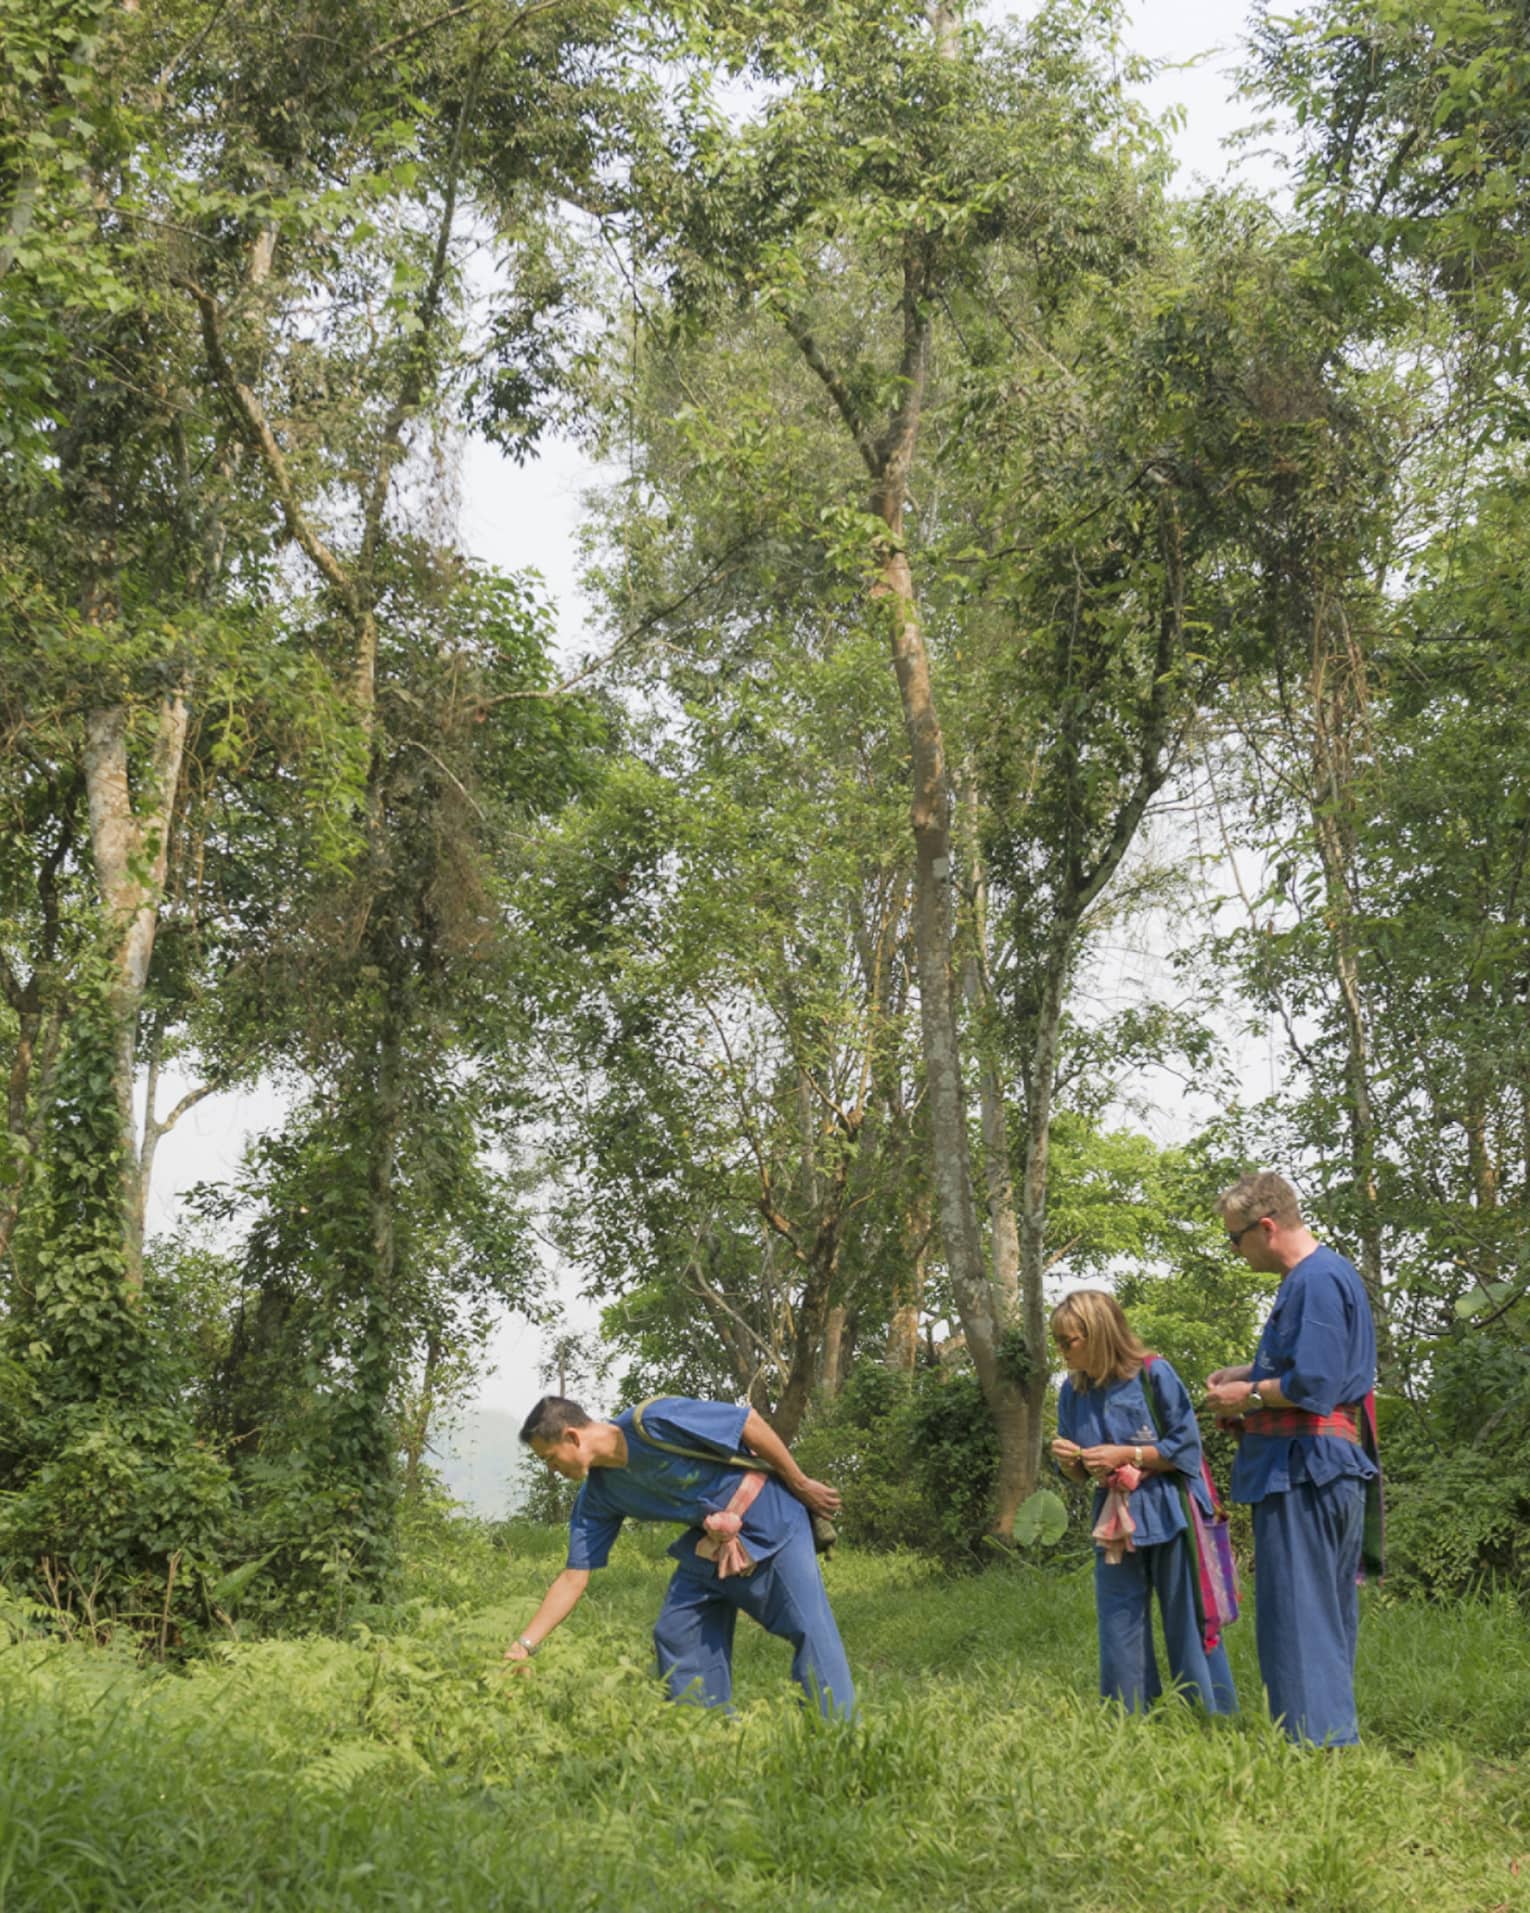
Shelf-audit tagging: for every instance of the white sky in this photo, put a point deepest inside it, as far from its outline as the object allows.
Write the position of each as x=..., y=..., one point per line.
x=527, y=518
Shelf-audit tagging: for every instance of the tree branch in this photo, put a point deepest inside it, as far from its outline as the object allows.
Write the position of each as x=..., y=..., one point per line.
x=849, y=411
x=251, y=419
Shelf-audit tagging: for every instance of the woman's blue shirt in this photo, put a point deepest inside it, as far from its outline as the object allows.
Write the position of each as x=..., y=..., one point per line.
x=1118, y=1412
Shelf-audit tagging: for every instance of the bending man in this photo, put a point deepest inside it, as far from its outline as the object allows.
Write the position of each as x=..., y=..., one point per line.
x=1298, y=1408
x=748, y=1544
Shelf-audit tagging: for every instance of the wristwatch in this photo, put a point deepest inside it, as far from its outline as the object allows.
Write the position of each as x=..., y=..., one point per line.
x=1253, y=1400
x=529, y=1645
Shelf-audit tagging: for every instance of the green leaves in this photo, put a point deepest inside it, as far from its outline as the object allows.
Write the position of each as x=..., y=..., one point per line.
x=1041, y=1520
x=1494, y=1296
x=226, y=1590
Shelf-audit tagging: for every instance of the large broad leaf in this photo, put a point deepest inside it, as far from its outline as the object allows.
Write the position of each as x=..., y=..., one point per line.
x=1490, y=1295
x=1041, y=1520
x=227, y=1591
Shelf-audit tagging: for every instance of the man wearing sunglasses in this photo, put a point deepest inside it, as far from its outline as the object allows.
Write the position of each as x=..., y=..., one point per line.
x=1301, y=1411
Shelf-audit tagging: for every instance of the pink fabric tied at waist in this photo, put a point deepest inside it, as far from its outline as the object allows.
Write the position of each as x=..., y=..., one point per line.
x=1115, y=1527
x=720, y=1542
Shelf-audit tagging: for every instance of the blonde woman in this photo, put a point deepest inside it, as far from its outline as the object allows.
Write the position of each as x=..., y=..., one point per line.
x=1106, y=1423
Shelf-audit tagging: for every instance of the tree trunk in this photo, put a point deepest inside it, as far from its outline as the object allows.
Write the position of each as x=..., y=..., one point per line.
x=908, y=1293
x=977, y=1302
x=155, y=1129
x=812, y=1319
x=748, y=1354
x=131, y=852
x=888, y=458
x=1017, y=1275
x=366, y=1426
x=1004, y=1234
x=836, y=1347
x=1041, y=1088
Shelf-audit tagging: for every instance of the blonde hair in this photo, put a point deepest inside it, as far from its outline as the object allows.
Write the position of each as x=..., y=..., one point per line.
x=1112, y=1353
x=1259, y=1194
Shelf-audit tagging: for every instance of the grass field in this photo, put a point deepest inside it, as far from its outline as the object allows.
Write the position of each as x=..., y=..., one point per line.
x=409, y=1770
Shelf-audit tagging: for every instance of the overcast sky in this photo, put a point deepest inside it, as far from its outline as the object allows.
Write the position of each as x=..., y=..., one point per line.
x=519, y=519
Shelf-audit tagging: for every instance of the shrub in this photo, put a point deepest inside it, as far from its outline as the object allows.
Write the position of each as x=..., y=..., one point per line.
x=1457, y=1469
x=915, y=1457
x=124, y=1491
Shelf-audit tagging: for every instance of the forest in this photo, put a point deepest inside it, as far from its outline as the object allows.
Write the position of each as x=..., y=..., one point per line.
x=1050, y=733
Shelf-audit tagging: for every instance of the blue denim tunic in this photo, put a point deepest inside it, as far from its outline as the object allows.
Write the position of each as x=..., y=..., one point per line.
x=1118, y=1412
x=1319, y=1345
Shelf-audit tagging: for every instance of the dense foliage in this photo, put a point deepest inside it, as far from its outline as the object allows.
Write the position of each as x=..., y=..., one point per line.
x=1010, y=563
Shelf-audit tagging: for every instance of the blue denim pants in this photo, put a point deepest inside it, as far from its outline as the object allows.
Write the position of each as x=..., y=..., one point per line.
x=1307, y=1606
x=693, y=1636
x=1123, y=1600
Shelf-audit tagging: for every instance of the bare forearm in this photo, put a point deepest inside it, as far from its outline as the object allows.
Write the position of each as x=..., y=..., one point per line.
x=817, y=1496
x=558, y=1603
x=763, y=1441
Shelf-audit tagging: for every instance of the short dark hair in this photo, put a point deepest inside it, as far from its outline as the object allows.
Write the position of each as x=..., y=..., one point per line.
x=552, y=1418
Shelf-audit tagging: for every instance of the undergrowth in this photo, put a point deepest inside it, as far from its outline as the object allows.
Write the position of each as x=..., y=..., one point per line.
x=406, y=1767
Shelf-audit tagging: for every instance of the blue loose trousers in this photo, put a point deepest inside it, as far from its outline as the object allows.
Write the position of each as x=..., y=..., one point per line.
x=1123, y=1605
x=1307, y=1607
x=693, y=1635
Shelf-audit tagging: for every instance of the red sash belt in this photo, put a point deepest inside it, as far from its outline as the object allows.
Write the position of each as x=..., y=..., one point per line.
x=720, y=1542
x=1343, y=1422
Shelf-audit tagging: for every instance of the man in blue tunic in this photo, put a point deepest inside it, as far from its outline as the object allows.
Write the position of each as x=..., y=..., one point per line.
x=1298, y=1409
x=748, y=1544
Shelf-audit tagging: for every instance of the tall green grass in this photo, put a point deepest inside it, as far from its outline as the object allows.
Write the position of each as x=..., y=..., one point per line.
x=409, y=1769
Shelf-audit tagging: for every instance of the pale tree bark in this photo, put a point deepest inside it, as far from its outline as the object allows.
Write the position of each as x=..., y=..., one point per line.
x=908, y=1294
x=352, y=580
x=838, y=1342
x=19, y=220
x=751, y=1355
x=367, y=1421
x=353, y=583
x=836, y=1091
x=130, y=846
x=1041, y=1085
x=980, y=1300
x=812, y=1317
x=1481, y=1157
x=815, y=1248
x=24, y=200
